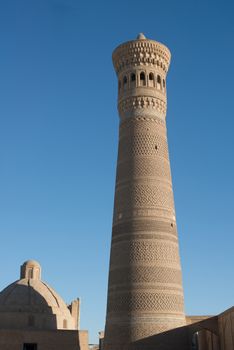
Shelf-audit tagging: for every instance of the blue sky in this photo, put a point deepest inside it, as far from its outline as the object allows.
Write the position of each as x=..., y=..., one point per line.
x=59, y=132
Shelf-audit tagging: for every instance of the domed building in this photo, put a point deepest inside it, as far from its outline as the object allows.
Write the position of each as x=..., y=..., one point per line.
x=34, y=317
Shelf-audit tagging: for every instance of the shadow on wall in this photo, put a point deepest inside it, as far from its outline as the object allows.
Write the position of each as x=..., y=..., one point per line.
x=22, y=307
x=205, y=339
x=198, y=336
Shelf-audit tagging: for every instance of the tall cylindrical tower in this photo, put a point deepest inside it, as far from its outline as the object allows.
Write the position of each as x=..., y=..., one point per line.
x=145, y=293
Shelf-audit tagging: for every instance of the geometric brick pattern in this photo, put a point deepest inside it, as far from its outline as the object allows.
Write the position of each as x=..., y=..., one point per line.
x=143, y=167
x=153, y=302
x=145, y=293
x=148, y=274
x=150, y=251
x=144, y=194
x=143, y=145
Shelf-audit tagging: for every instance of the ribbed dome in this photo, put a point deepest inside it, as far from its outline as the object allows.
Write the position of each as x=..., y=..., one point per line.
x=31, y=302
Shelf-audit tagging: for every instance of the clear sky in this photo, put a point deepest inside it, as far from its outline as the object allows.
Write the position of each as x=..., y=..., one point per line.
x=59, y=132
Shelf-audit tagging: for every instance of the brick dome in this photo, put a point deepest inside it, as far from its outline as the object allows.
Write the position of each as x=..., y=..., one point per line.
x=30, y=302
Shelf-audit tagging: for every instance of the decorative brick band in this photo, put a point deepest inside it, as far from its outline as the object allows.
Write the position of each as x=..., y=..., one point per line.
x=145, y=274
x=146, y=105
x=135, y=226
x=157, y=302
x=141, y=53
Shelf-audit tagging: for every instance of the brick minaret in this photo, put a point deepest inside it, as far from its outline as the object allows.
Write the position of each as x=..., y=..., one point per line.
x=145, y=293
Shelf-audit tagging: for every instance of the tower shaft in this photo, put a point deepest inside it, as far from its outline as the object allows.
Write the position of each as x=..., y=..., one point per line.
x=145, y=293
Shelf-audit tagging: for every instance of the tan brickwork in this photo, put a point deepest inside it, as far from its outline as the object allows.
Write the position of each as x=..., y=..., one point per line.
x=145, y=294
x=31, y=312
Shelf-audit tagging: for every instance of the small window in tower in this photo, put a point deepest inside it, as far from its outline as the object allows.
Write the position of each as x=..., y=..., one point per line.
x=151, y=80
x=133, y=80
x=159, y=82
x=164, y=84
x=65, y=324
x=119, y=85
x=156, y=147
x=125, y=81
x=30, y=273
x=133, y=77
x=142, y=79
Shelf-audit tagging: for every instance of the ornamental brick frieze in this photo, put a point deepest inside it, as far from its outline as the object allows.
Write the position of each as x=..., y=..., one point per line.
x=143, y=195
x=125, y=253
x=129, y=170
x=142, y=106
x=143, y=123
x=149, y=180
x=141, y=53
x=145, y=274
x=149, y=287
x=159, y=302
x=143, y=144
